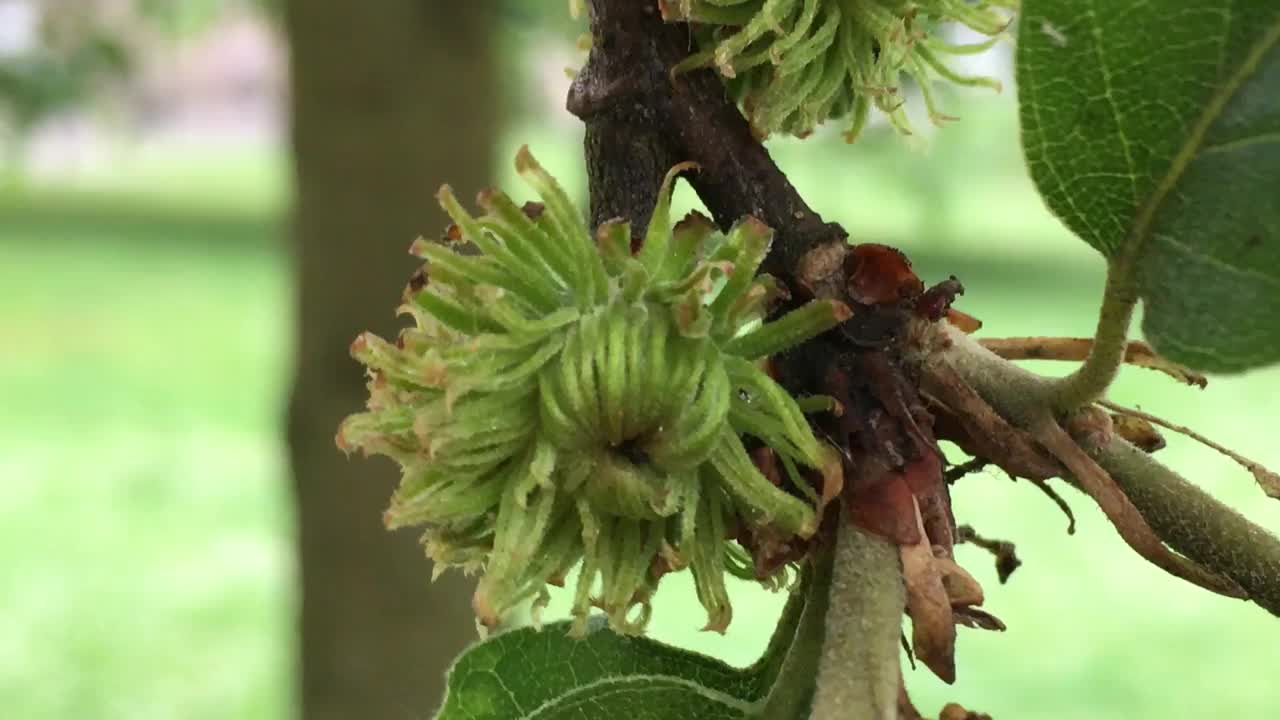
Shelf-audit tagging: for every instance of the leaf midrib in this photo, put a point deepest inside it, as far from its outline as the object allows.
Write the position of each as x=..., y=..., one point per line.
x=1195, y=139
x=605, y=683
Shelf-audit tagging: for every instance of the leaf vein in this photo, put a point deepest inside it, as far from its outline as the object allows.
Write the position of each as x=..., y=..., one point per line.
x=1195, y=139
x=1239, y=143
x=1105, y=69
x=1216, y=262
x=618, y=683
x=1044, y=159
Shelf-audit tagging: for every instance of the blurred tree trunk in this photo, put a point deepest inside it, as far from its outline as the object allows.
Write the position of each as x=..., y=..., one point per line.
x=389, y=100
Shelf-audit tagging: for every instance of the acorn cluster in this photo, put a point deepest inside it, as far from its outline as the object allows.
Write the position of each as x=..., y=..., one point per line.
x=793, y=64
x=567, y=400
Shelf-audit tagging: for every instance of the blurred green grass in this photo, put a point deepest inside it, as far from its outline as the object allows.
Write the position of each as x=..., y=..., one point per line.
x=145, y=526
x=144, y=522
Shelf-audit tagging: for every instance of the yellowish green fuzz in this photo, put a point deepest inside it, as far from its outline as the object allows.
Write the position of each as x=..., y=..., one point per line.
x=564, y=400
x=793, y=64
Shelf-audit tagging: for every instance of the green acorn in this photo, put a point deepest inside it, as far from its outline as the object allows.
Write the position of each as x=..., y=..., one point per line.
x=561, y=400
x=794, y=64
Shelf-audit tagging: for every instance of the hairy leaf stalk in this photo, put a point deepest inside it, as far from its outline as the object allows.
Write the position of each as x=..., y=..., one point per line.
x=860, y=668
x=1090, y=381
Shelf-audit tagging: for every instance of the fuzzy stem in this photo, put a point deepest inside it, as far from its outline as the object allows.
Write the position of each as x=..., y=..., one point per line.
x=792, y=690
x=1185, y=517
x=1090, y=381
x=1197, y=525
x=860, y=667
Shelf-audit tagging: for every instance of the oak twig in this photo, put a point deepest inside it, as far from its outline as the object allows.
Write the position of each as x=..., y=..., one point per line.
x=1267, y=479
x=641, y=122
x=1197, y=525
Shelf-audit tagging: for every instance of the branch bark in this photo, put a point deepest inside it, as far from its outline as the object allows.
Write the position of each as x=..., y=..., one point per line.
x=641, y=121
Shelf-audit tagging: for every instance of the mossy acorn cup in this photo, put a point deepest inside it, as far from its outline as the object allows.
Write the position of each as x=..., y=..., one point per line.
x=564, y=400
x=794, y=64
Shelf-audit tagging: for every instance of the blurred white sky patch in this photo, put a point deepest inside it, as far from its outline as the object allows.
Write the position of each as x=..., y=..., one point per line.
x=19, y=22
x=218, y=92
x=223, y=89
x=226, y=85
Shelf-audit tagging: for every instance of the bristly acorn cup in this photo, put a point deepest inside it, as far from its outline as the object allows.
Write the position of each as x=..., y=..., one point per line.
x=564, y=400
x=793, y=64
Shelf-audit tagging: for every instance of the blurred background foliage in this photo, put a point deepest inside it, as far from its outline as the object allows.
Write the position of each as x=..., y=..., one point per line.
x=146, y=566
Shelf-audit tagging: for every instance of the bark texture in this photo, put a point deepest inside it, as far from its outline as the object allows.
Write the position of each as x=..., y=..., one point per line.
x=389, y=100
x=641, y=121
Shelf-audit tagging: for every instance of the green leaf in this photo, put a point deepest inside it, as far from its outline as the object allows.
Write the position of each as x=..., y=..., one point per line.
x=548, y=675
x=1152, y=130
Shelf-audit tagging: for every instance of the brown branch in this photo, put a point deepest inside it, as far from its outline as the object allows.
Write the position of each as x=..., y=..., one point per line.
x=627, y=150
x=981, y=430
x=641, y=121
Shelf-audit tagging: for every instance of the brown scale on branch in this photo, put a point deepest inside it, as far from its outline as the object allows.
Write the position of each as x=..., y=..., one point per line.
x=894, y=482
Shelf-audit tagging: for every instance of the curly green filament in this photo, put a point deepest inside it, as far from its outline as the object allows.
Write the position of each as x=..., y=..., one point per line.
x=562, y=400
x=794, y=65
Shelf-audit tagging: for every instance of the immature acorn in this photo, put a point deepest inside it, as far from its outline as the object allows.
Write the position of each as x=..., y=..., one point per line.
x=562, y=401
x=794, y=64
